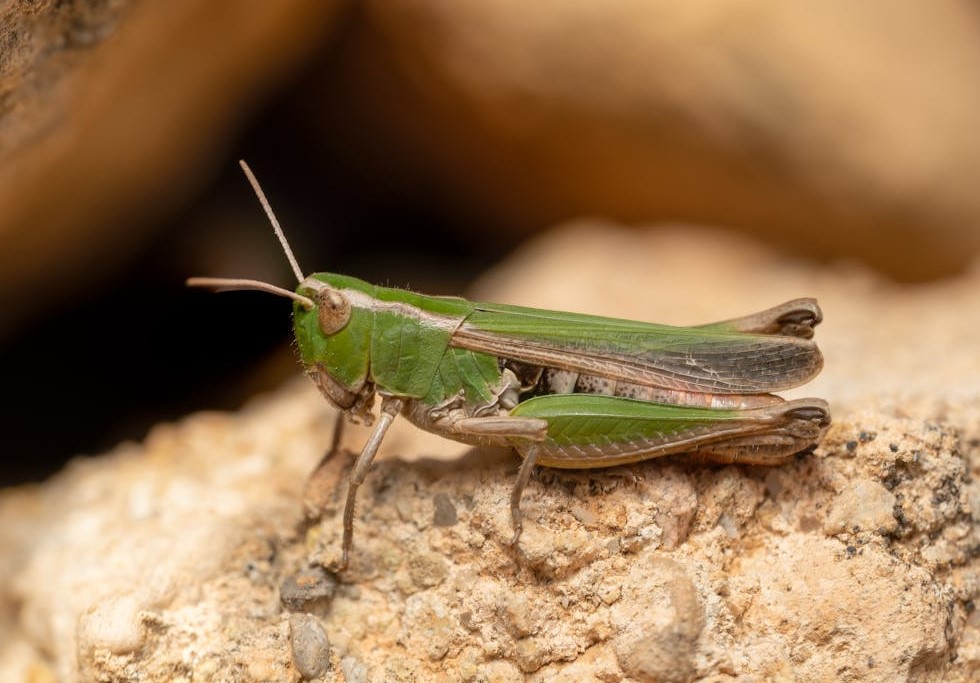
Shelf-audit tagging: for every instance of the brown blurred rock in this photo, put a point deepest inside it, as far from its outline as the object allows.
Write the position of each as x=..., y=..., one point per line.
x=830, y=129
x=858, y=562
x=105, y=107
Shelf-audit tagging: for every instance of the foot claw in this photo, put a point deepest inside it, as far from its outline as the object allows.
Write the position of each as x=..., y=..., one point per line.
x=338, y=567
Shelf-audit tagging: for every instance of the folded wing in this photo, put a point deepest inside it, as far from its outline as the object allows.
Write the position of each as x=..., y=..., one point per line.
x=688, y=359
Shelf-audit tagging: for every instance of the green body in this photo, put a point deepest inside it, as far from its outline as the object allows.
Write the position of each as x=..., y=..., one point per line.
x=434, y=351
x=395, y=350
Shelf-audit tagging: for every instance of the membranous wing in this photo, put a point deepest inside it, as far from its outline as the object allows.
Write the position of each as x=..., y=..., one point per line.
x=710, y=359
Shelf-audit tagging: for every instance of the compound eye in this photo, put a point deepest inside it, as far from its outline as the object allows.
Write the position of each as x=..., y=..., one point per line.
x=333, y=309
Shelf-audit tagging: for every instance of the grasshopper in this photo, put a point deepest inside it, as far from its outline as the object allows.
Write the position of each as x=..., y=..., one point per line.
x=565, y=390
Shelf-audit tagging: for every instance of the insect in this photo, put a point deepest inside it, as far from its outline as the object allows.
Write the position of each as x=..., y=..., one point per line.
x=565, y=390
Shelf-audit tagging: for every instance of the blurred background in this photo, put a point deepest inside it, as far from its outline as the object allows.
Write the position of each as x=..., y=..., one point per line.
x=416, y=143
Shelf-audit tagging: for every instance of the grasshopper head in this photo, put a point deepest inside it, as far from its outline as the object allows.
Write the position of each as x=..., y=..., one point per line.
x=332, y=335
x=334, y=340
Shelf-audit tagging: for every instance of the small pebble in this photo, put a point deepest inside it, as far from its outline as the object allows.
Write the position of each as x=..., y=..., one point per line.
x=353, y=670
x=445, y=511
x=310, y=645
x=865, y=505
x=115, y=625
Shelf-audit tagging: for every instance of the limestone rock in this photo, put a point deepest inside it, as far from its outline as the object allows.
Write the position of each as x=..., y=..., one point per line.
x=188, y=557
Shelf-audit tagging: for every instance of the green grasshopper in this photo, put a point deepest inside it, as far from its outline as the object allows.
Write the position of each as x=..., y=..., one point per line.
x=565, y=390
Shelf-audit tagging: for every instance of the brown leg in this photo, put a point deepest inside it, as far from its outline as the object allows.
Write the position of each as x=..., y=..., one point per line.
x=523, y=475
x=801, y=424
x=502, y=430
x=338, y=434
x=390, y=407
x=319, y=485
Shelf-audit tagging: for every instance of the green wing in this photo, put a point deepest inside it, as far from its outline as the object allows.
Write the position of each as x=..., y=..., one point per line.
x=710, y=359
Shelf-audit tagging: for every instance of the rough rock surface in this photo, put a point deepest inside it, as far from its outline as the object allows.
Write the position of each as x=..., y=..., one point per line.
x=187, y=557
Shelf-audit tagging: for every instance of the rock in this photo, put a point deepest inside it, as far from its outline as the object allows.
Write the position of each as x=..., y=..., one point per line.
x=310, y=587
x=310, y=646
x=858, y=561
x=863, y=505
x=799, y=124
x=793, y=122
x=103, y=111
x=659, y=630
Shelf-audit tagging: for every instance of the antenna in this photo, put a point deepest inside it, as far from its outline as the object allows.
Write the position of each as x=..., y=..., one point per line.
x=272, y=219
x=223, y=284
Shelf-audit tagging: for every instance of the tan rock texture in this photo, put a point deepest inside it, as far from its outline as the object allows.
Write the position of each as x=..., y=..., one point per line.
x=187, y=557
